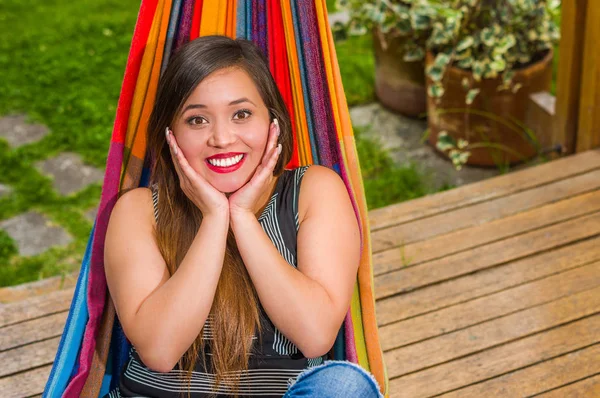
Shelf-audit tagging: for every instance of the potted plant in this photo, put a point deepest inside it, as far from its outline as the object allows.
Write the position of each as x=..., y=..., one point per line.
x=398, y=45
x=484, y=58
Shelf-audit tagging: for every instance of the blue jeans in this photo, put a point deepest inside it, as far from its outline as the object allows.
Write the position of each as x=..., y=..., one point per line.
x=334, y=379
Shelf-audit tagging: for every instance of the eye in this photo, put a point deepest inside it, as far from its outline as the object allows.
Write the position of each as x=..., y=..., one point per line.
x=196, y=120
x=242, y=114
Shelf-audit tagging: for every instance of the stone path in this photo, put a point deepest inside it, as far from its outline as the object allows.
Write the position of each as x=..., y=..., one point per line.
x=403, y=137
x=33, y=232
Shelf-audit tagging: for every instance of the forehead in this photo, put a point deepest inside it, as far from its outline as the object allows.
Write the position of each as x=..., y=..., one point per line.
x=225, y=85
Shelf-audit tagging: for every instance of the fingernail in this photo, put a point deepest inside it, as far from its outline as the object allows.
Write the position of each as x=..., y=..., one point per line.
x=167, y=132
x=279, y=148
x=175, y=150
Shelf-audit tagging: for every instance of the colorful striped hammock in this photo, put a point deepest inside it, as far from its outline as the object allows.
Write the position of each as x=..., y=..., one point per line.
x=296, y=37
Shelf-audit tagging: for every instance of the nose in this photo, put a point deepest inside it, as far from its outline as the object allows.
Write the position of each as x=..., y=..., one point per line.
x=221, y=136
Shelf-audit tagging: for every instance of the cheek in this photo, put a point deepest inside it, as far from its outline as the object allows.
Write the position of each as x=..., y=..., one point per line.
x=256, y=138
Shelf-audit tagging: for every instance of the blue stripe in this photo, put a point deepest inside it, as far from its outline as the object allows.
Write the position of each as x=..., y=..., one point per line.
x=171, y=31
x=72, y=336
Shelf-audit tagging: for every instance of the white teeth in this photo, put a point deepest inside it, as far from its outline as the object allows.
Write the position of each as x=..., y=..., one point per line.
x=226, y=162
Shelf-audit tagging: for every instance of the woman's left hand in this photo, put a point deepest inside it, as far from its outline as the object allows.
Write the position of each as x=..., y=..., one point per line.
x=245, y=199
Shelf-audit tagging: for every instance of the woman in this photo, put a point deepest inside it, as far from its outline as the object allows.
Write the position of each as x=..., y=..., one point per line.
x=241, y=272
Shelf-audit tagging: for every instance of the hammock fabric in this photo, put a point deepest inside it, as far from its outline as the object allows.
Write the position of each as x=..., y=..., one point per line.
x=295, y=36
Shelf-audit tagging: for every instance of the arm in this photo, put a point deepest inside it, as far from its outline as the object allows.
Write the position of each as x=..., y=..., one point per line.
x=307, y=304
x=160, y=315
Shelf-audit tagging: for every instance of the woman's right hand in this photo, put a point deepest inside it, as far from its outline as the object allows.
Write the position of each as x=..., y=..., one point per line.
x=207, y=198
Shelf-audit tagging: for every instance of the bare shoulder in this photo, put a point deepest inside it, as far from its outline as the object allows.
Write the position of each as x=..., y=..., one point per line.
x=135, y=203
x=321, y=187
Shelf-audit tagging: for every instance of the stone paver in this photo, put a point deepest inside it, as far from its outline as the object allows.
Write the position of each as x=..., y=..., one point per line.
x=5, y=190
x=34, y=234
x=69, y=172
x=16, y=130
x=402, y=136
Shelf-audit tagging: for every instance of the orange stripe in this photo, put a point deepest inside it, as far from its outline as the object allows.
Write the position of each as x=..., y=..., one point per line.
x=304, y=151
x=231, y=19
x=141, y=86
x=139, y=140
x=214, y=16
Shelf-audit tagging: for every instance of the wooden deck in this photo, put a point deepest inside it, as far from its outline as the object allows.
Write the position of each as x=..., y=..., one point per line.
x=491, y=289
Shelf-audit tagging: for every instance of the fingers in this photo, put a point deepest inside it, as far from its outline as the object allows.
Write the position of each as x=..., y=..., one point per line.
x=271, y=157
x=174, y=152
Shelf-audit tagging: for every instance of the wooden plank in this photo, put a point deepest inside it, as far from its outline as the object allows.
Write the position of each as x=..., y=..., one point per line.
x=588, y=135
x=25, y=384
x=484, y=212
x=454, y=242
x=11, y=294
x=461, y=343
x=488, y=256
x=538, y=378
x=486, y=282
x=35, y=307
x=485, y=308
x=568, y=84
x=589, y=387
x=31, y=331
x=499, y=360
x=482, y=191
x=28, y=357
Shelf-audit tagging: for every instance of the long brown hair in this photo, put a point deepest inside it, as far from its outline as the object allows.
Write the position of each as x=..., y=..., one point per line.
x=235, y=309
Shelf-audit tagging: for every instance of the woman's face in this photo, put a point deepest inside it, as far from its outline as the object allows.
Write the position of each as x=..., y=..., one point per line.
x=223, y=129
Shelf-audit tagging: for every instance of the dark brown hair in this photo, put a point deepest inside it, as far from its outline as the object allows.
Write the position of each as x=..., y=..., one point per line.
x=235, y=308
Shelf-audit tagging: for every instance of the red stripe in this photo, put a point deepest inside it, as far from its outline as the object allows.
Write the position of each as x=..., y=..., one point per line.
x=195, y=30
x=132, y=69
x=279, y=66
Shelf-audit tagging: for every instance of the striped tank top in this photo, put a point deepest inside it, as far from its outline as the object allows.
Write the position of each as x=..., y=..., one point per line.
x=275, y=363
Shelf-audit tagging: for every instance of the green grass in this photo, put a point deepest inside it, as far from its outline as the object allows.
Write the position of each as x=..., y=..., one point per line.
x=357, y=67
x=62, y=64
x=385, y=182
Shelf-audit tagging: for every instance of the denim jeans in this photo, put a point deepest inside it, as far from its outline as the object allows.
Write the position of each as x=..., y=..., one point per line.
x=335, y=379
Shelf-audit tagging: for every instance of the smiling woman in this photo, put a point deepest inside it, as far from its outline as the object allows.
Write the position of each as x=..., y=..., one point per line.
x=242, y=271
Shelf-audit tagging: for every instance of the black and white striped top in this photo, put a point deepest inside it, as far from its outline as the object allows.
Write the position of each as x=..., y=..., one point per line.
x=276, y=362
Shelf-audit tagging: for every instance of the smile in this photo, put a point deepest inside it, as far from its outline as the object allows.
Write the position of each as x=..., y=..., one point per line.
x=227, y=165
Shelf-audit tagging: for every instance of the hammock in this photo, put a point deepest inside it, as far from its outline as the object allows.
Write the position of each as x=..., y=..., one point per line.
x=295, y=36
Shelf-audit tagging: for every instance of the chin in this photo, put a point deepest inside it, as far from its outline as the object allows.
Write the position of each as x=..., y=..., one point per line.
x=227, y=185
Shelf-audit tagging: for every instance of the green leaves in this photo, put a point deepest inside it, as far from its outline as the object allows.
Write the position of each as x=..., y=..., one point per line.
x=435, y=90
x=488, y=37
x=456, y=151
x=471, y=95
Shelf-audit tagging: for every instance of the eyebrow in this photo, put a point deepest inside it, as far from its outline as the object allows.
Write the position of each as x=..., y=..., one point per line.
x=201, y=106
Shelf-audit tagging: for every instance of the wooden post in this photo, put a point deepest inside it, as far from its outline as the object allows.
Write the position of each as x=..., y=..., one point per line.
x=588, y=131
x=568, y=87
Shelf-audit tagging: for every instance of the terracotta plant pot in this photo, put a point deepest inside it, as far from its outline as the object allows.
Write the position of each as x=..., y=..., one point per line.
x=449, y=113
x=399, y=85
